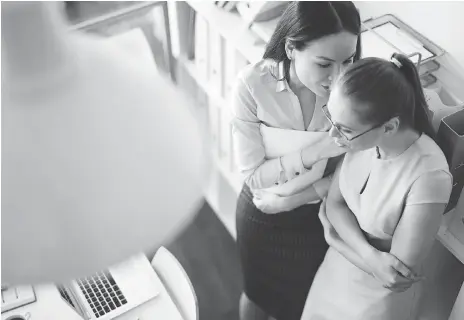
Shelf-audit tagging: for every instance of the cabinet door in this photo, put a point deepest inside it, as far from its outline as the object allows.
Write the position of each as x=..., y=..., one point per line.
x=216, y=76
x=214, y=125
x=226, y=138
x=229, y=70
x=201, y=47
x=234, y=63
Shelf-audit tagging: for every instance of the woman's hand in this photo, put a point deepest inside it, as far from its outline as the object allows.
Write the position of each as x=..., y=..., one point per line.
x=324, y=149
x=271, y=203
x=390, y=271
x=385, y=267
x=327, y=148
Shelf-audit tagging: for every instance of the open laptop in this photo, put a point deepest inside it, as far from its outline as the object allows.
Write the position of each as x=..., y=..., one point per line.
x=110, y=293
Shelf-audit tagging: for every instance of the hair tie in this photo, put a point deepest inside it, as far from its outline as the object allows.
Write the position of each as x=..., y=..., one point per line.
x=396, y=62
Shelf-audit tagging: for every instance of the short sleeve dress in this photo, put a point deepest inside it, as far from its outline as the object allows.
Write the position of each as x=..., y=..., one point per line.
x=377, y=191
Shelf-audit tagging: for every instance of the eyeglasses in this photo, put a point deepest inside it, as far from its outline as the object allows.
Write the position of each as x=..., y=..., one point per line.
x=326, y=112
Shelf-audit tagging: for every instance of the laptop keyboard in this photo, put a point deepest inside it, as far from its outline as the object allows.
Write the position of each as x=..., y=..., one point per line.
x=102, y=293
x=65, y=295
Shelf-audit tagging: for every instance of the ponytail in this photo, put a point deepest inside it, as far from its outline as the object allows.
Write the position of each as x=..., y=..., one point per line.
x=420, y=111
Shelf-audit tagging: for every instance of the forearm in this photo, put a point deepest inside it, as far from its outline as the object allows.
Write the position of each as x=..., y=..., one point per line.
x=266, y=175
x=350, y=255
x=346, y=225
x=307, y=195
x=310, y=156
x=271, y=172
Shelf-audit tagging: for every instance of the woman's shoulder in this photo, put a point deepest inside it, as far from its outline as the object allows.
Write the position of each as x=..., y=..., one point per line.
x=429, y=155
x=257, y=73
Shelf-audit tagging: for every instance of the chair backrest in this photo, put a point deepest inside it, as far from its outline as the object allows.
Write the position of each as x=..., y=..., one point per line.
x=177, y=283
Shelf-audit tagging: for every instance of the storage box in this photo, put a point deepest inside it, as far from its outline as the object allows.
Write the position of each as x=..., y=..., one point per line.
x=450, y=137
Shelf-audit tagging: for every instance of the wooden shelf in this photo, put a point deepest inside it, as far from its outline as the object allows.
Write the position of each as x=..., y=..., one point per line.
x=233, y=28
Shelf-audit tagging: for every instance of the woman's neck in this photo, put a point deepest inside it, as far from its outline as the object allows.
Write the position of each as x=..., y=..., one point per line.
x=35, y=42
x=295, y=84
x=398, y=144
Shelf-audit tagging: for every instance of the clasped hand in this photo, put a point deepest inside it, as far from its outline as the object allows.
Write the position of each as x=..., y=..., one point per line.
x=271, y=203
x=385, y=267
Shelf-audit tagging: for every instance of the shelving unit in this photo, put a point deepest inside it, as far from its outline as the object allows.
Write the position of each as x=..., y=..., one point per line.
x=225, y=37
x=232, y=28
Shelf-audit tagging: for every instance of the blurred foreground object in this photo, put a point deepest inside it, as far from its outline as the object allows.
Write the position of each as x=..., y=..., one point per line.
x=100, y=157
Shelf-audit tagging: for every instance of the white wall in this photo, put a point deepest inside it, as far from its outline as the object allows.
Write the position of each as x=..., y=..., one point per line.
x=441, y=22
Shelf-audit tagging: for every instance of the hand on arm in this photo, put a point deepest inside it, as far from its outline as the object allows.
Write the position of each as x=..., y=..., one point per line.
x=271, y=203
x=388, y=269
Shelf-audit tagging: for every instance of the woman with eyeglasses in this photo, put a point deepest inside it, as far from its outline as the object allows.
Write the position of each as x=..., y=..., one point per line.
x=278, y=101
x=387, y=197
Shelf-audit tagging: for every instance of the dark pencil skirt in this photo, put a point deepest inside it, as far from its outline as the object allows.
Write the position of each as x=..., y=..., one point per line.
x=280, y=255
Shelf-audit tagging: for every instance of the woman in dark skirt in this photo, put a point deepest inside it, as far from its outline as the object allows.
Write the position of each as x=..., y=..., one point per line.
x=280, y=139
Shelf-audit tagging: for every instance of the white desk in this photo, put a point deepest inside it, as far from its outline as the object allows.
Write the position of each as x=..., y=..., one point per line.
x=50, y=305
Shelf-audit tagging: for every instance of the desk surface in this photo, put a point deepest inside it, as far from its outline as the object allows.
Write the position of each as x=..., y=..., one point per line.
x=50, y=305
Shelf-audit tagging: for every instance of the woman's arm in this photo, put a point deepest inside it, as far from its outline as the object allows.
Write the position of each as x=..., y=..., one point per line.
x=271, y=203
x=248, y=144
x=343, y=219
x=334, y=240
x=249, y=150
x=421, y=218
x=389, y=270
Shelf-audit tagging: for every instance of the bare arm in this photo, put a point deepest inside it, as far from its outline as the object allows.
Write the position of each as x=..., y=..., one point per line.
x=415, y=234
x=271, y=203
x=334, y=240
x=421, y=218
x=343, y=219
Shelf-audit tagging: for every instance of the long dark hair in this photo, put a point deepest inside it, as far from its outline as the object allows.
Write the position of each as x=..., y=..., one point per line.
x=386, y=89
x=306, y=21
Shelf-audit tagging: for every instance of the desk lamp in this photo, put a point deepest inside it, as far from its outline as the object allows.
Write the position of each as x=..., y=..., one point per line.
x=100, y=157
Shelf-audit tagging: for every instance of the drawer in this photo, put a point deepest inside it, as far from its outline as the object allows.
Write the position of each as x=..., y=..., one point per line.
x=201, y=47
x=235, y=62
x=216, y=72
